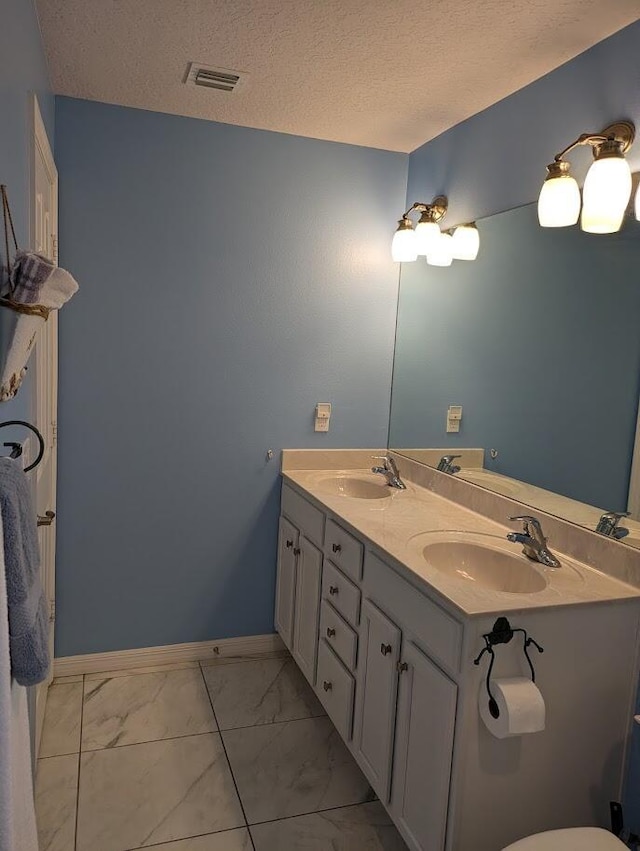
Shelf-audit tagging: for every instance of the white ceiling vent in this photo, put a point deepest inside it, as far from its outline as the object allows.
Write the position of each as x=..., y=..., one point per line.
x=222, y=79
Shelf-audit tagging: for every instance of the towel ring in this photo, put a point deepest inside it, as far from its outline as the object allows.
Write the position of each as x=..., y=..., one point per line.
x=17, y=447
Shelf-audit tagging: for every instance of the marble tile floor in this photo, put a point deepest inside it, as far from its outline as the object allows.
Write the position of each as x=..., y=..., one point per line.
x=211, y=756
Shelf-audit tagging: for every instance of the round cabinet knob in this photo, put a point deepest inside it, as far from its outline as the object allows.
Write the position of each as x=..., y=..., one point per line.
x=330, y=632
x=289, y=544
x=333, y=589
x=336, y=548
x=296, y=551
x=327, y=686
x=385, y=649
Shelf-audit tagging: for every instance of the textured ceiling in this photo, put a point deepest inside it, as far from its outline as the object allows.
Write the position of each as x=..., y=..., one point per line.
x=381, y=73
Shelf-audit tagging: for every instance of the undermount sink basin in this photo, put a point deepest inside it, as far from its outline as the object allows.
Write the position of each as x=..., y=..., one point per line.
x=486, y=563
x=356, y=487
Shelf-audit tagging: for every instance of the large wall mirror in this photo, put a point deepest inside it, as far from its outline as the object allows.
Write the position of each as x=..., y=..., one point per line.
x=539, y=341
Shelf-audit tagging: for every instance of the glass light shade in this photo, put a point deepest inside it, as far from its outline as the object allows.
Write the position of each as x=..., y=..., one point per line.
x=403, y=247
x=466, y=242
x=559, y=202
x=441, y=254
x=427, y=234
x=605, y=195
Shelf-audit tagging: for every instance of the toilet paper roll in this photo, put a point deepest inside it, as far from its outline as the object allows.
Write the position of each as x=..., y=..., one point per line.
x=521, y=706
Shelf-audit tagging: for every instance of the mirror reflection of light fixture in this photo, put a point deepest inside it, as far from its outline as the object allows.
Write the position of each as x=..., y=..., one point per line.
x=466, y=242
x=407, y=242
x=441, y=251
x=607, y=187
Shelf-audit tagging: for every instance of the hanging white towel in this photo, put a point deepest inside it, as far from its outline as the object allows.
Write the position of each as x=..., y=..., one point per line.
x=17, y=812
x=35, y=281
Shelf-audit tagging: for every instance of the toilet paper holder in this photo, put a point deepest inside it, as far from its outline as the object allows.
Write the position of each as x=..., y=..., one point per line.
x=502, y=633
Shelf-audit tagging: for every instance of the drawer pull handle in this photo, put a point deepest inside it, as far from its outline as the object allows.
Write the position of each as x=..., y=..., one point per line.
x=333, y=589
x=296, y=551
x=336, y=548
x=327, y=686
x=330, y=632
x=289, y=544
x=385, y=649
x=402, y=666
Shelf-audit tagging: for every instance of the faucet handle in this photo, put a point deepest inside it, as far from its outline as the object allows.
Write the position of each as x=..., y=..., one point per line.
x=615, y=516
x=383, y=458
x=528, y=522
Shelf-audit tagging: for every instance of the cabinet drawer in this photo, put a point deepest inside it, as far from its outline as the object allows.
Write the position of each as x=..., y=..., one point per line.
x=341, y=593
x=419, y=616
x=335, y=689
x=308, y=518
x=338, y=634
x=343, y=549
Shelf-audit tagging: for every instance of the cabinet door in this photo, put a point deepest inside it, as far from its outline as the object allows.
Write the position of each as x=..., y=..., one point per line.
x=424, y=746
x=307, y=608
x=286, y=580
x=377, y=696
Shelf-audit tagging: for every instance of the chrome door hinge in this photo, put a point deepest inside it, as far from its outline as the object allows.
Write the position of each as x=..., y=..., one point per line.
x=54, y=432
x=52, y=611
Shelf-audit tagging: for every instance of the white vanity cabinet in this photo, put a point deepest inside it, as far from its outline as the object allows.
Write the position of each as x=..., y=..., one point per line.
x=392, y=663
x=391, y=703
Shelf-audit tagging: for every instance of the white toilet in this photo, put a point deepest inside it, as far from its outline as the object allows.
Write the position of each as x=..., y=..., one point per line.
x=571, y=839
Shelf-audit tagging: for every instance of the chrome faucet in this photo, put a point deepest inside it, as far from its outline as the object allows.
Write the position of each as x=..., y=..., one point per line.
x=608, y=524
x=389, y=470
x=534, y=543
x=446, y=465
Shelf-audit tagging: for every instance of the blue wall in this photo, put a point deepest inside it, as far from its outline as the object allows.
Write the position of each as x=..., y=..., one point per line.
x=23, y=70
x=229, y=280
x=538, y=341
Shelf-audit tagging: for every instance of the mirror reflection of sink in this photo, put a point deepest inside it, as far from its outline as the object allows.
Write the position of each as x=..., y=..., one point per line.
x=482, y=560
x=498, y=483
x=356, y=486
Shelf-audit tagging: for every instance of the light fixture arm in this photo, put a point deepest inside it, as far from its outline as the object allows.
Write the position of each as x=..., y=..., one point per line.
x=434, y=211
x=622, y=132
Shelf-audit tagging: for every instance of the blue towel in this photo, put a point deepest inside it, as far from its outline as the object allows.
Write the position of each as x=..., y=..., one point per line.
x=28, y=622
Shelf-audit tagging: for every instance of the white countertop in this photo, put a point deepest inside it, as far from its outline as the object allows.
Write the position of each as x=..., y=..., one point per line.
x=392, y=524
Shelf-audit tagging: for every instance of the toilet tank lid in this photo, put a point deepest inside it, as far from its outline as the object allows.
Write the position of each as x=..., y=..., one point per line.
x=572, y=839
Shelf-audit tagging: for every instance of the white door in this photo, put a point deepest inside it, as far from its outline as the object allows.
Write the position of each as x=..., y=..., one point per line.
x=44, y=363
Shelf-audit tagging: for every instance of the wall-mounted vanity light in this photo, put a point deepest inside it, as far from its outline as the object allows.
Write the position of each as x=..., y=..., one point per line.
x=440, y=248
x=606, y=190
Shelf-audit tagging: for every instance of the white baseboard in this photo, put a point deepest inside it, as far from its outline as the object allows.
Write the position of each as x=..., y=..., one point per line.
x=224, y=648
